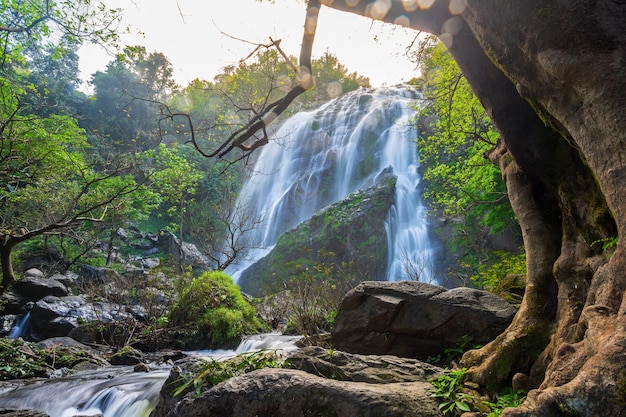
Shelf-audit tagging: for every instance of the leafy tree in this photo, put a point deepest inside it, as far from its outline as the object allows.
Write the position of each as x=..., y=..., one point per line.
x=455, y=135
x=176, y=179
x=47, y=184
x=30, y=25
x=128, y=96
x=331, y=80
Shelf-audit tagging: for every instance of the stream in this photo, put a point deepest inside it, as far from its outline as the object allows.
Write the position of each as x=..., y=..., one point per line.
x=115, y=391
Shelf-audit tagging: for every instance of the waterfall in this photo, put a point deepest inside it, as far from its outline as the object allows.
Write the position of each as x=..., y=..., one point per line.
x=115, y=391
x=319, y=157
x=20, y=327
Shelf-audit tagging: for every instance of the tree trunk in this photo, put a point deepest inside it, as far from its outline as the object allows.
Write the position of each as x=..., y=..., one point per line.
x=8, y=276
x=552, y=74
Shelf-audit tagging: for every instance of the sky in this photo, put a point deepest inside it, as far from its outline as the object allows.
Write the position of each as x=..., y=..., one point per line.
x=197, y=36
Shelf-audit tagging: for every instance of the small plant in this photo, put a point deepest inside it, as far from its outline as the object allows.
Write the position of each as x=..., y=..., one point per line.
x=607, y=242
x=507, y=398
x=447, y=389
x=215, y=371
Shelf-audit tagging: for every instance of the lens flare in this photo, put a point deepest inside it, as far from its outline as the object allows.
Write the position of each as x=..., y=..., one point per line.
x=402, y=20
x=310, y=24
x=457, y=6
x=378, y=9
x=409, y=5
x=446, y=39
x=452, y=25
x=334, y=89
x=425, y=4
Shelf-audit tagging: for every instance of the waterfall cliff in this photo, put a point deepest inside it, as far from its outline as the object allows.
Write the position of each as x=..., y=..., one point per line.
x=319, y=157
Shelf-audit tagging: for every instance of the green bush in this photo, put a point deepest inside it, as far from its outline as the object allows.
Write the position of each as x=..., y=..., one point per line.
x=211, y=312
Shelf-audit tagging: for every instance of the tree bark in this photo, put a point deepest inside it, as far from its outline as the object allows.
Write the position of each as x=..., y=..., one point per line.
x=8, y=276
x=552, y=75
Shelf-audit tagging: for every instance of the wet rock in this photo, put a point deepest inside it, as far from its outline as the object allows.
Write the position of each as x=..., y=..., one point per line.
x=326, y=382
x=127, y=356
x=21, y=413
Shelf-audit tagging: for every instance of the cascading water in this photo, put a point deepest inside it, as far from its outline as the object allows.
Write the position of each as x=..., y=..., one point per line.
x=115, y=391
x=319, y=157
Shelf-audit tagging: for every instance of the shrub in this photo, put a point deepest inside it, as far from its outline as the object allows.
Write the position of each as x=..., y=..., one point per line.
x=211, y=312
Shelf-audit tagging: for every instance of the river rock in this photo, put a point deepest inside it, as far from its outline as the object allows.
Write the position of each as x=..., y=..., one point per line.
x=294, y=393
x=373, y=369
x=21, y=413
x=416, y=320
x=33, y=288
x=326, y=382
x=127, y=356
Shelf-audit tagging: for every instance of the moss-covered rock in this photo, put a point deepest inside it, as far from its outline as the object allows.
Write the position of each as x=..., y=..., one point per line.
x=351, y=231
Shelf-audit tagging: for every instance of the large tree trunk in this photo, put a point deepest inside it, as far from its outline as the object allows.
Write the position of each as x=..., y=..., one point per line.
x=552, y=74
x=8, y=275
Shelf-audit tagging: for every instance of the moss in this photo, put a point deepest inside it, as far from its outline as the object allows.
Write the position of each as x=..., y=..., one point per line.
x=212, y=308
x=621, y=388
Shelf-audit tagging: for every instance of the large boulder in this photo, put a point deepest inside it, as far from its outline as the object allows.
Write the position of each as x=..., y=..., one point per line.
x=183, y=254
x=416, y=320
x=35, y=287
x=350, y=232
x=58, y=316
x=326, y=383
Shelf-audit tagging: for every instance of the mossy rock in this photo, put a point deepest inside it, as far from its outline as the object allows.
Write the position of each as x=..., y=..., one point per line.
x=351, y=231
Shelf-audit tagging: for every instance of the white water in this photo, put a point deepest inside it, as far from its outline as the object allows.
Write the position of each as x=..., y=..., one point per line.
x=20, y=327
x=115, y=391
x=319, y=157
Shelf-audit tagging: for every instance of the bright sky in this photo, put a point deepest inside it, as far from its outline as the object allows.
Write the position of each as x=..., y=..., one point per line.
x=190, y=33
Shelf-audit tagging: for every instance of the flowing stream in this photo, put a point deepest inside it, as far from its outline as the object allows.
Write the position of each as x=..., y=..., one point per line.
x=115, y=391
x=319, y=157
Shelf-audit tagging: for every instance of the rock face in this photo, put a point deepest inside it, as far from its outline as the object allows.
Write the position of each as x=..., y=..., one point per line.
x=350, y=231
x=183, y=253
x=415, y=319
x=337, y=384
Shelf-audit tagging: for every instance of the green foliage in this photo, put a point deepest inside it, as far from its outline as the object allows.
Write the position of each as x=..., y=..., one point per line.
x=490, y=275
x=455, y=135
x=314, y=294
x=19, y=359
x=607, y=243
x=505, y=399
x=28, y=26
x=213, y=311
x=214, y=371
x=176, y=179
x=447, y=390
